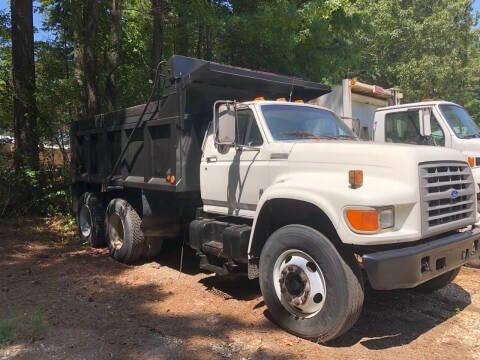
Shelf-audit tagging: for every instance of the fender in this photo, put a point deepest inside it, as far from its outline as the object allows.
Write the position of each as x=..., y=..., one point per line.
x=295, y=191
x=333, y=193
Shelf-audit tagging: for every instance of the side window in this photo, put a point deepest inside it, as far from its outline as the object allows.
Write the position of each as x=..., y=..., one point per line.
x=248, y=131
x=438, y=136
x=403, y=127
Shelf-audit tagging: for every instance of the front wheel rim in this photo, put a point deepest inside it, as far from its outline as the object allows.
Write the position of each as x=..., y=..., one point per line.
x=115, y=231
x=299, y=283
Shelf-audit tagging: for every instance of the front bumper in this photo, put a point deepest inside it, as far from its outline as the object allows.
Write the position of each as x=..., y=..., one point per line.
x=410, y=266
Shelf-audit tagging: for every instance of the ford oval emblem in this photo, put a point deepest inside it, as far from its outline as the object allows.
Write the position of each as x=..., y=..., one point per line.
x=454, y=194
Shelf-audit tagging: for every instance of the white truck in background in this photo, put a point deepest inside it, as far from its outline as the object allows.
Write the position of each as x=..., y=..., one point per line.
x=356, y=102
x=437, y=123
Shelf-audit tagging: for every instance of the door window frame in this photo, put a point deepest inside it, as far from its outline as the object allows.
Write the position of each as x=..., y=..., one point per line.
x=395, y=112
x=259, y=126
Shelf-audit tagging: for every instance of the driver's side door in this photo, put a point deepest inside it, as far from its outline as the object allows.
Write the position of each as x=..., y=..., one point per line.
x=233, y=178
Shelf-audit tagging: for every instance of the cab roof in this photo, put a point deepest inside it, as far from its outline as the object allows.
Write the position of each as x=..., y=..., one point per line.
x=416, y=104
x=278, y=102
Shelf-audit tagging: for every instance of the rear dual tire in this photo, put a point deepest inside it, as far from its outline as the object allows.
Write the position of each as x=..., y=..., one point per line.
x=310, y=288
x=119, y=226
x=90, y=220
x=123, y=231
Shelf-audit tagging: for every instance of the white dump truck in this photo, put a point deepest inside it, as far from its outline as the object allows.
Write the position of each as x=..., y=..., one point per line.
x=280, y=190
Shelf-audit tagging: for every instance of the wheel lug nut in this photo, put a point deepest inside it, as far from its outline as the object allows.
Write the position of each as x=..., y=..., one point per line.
x=317, y=298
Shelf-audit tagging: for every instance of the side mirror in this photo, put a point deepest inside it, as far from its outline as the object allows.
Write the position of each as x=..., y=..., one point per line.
x=426, y=129
x=225, y=123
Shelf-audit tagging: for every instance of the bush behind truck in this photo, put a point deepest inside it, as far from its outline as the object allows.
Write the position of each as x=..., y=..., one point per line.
x=280, y=190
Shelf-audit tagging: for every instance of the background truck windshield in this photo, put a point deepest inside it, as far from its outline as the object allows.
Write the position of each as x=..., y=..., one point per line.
x=459, y=120
x=289, y=122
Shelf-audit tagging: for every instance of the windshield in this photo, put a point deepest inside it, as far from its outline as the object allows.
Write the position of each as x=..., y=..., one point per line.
x=288, y=122
x=459, y=120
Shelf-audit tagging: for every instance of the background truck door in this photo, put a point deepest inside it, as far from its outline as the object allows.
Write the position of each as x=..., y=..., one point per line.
x=404, y=126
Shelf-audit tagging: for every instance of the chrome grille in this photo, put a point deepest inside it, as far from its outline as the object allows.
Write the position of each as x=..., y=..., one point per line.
x=447, y=195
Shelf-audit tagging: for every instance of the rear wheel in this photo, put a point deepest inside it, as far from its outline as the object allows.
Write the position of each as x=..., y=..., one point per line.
x=90, y=220
x=438, y=282
x=311, y=290
x=124, y=235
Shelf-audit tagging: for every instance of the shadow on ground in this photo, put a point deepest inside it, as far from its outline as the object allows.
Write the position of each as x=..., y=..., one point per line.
x=97, y=307
x=389, y=318
x=395, y=318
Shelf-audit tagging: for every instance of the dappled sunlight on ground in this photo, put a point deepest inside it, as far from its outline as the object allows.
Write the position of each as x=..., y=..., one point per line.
x=80, y=304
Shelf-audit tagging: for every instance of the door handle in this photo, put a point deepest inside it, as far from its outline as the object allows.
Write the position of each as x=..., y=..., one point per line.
x=211, y=159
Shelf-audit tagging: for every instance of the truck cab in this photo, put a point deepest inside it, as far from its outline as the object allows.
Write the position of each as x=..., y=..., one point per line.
x=436, y=123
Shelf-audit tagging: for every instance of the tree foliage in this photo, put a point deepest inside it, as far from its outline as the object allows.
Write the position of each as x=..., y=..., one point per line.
x=101, y=53
x=426, y=48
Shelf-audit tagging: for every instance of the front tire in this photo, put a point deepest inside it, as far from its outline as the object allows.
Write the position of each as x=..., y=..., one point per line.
x=124, y=234
x=437, y=283
x=311, y=290
x=90, y=220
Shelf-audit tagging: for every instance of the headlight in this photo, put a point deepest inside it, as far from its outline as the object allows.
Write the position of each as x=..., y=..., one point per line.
x=369, y=220
x=386, y=217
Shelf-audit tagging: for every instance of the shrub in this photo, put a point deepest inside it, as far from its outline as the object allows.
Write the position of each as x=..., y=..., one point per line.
x=36, y=192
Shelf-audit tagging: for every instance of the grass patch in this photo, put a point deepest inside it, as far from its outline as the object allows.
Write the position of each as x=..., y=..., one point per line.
x=7, y=332
x=27, y=326
x=35, y=325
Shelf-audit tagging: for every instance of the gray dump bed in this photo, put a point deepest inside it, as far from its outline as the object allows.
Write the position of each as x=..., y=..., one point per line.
x=168, y=139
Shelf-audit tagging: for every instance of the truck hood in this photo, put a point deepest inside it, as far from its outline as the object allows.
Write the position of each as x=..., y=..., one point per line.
x=471, y=147
x=358, y=153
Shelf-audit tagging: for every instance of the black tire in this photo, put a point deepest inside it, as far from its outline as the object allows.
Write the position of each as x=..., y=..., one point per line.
x=153, y=246
x=343, y=280
x=122, y=219
x=438, y=283
x=90, y=208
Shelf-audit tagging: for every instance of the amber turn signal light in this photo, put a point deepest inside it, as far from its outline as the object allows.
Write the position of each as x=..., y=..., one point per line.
x=355, y=178
x=362, y=220
x=471, y=161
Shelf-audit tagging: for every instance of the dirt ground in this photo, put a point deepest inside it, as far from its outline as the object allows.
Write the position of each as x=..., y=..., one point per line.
x=62, y=300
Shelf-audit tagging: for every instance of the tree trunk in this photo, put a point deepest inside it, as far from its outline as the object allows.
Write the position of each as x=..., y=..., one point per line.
x=208, y=43
x=90, y=16
x=183, y=44
x=200, y=41
x=25, y=111
x=78, y=72
x=157, y=38
x=85, y=19
x=113, y=54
